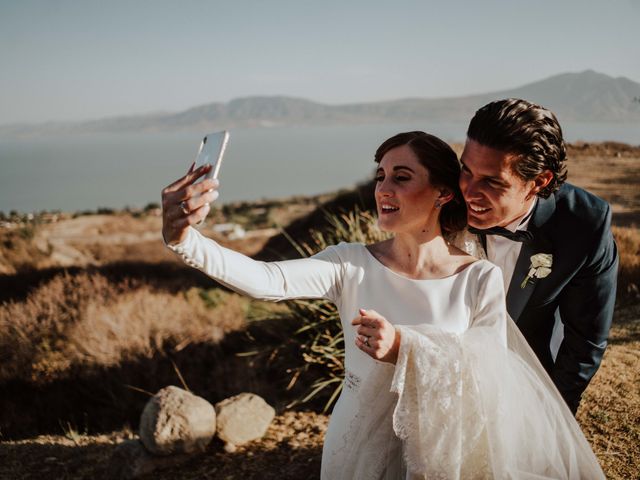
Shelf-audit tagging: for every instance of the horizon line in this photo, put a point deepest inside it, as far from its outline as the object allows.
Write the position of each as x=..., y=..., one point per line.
x=306, y=99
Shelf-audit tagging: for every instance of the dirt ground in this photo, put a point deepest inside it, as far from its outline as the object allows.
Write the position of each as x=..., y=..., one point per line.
x=291, y=449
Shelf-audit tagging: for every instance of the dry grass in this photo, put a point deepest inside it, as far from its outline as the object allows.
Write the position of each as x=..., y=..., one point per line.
x=628, y=241
x=613, y=178
x=86, y=321
x=610, y=410
x=82, y=240
x=290, y=450
x=18, y=251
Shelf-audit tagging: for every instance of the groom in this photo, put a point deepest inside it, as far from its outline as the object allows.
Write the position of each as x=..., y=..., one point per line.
x=551, y=239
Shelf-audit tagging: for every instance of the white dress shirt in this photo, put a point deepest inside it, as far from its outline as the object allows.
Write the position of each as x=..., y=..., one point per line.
x=504, y=252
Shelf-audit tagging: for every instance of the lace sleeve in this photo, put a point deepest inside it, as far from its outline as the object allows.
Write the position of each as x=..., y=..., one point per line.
x=438, y=407
x=470, y=408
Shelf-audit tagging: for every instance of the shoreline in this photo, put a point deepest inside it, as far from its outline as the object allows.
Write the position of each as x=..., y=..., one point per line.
x=577, y=150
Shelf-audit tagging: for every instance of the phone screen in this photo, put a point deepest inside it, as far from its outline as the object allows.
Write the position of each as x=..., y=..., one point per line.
x=211, y=151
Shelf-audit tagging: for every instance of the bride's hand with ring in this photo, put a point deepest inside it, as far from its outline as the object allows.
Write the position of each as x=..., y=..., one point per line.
x=185, y=204
x=376, y=336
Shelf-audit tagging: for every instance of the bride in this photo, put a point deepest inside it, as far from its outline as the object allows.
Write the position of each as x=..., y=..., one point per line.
x=438, y=381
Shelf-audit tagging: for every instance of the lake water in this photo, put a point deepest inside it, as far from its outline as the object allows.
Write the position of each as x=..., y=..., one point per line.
x=116, y=170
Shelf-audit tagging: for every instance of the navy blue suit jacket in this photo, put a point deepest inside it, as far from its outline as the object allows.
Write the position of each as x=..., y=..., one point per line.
x=575, y=227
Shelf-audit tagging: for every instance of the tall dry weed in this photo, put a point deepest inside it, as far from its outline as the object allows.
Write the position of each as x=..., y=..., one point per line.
x=18, y=251
x=33, y=333
x=142, y=322
x=79, y=321
x=628, y=241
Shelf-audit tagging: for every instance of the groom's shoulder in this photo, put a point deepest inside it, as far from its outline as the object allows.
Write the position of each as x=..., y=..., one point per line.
x=580, y=207
x=571, y=197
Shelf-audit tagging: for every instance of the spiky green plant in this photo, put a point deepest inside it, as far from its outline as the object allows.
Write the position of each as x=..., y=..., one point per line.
x=320, y=336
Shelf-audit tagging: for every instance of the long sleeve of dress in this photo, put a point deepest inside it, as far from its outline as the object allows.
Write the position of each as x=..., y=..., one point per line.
x=471, y=407
x=319, y=276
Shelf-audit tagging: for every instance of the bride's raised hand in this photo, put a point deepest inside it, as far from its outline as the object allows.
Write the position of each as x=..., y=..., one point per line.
x=185, y=204
x=376, y=336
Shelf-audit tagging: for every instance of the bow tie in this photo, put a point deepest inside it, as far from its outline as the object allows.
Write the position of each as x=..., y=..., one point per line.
x=517, y=236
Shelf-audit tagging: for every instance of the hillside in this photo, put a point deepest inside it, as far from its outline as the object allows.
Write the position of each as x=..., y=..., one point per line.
x=95, y=311
x=579, y=97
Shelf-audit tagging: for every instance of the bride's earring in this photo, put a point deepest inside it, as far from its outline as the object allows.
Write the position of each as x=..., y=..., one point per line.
x=438, y=204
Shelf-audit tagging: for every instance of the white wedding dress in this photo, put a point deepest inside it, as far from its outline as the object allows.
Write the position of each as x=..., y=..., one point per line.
x=458, y=403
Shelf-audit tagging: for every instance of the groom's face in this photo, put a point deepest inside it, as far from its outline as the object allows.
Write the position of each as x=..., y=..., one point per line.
x=494, y=193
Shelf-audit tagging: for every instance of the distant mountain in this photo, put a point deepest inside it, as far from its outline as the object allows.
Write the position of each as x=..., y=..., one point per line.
x=585, y=97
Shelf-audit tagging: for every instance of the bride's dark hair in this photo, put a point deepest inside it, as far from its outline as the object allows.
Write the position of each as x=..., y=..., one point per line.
x=444, y=171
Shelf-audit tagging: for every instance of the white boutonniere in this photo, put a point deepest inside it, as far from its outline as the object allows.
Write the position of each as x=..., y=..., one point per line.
x=540, y=267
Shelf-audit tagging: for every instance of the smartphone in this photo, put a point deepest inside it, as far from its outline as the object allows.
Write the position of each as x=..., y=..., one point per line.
x=211, y=151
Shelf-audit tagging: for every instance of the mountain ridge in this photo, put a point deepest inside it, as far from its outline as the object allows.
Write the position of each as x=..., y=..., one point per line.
x=586, y=96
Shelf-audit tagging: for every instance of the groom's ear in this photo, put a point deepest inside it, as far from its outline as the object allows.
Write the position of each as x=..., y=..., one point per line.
x=541, y=181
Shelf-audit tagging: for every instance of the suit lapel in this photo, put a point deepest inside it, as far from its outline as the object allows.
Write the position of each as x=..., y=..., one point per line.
x=517, y=297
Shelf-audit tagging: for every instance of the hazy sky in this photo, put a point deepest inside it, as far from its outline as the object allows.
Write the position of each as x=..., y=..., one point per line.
x=72, y=60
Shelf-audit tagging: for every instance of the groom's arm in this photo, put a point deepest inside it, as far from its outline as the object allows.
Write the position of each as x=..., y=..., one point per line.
x=586, y=310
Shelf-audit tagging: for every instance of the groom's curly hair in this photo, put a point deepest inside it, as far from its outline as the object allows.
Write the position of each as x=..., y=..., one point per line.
x=527, y=130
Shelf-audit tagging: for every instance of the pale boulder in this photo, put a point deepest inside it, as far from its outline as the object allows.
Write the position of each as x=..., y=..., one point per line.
x=176, y=421
x=242, y=418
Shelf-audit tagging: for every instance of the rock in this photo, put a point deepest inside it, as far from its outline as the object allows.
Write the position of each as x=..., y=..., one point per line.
x=131, y=460
x=230, y=447
x=176, y=421
x=242, y=418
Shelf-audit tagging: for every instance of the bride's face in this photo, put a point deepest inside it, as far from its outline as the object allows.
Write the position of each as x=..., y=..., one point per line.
x=405, y=198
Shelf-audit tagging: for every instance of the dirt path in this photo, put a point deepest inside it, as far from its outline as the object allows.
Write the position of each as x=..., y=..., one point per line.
x=65, y=239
